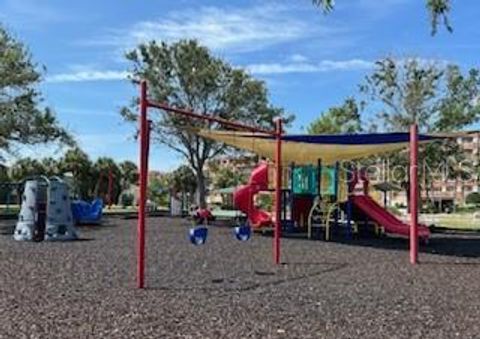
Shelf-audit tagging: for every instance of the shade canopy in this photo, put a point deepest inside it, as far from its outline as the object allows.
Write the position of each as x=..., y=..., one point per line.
x=307, y=149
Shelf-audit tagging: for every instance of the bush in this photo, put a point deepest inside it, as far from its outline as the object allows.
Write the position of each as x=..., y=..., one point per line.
x=473, y=198
x=465, y=209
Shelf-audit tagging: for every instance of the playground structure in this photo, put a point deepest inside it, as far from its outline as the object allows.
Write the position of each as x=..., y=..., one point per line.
x=45, y=212
x=321, y=199
x=284, y=149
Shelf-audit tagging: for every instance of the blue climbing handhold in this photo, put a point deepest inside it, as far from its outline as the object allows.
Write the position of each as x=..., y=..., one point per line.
x=198, y=235
x=243, y=233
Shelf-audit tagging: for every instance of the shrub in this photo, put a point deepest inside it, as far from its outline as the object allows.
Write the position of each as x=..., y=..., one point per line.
x=473, y=198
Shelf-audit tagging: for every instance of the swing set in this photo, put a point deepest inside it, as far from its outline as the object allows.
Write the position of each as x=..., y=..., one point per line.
x=270, y=145
x=145, y=127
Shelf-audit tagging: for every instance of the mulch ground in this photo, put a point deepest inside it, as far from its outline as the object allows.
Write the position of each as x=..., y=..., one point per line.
x=229, y=289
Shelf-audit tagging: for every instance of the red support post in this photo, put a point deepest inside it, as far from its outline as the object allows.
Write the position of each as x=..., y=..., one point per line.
x=143, y=186
x=278, y=190
x=413, y=194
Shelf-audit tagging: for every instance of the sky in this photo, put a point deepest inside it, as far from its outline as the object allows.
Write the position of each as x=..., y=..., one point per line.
x=309, y=61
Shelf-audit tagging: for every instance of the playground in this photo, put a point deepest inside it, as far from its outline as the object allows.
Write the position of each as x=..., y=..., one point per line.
x=321, y=289
x=236, y=169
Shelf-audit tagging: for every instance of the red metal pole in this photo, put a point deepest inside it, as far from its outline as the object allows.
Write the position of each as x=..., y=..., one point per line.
x=110, y=188
x=278, y=190
x=413, y=194
x=143, y=186
x=191, y=114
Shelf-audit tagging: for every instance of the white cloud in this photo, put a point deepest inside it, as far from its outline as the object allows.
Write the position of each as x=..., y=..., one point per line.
x=298, y=58
x=230, y=28
x=299, y=64
x=87, y=75
x=304, y=67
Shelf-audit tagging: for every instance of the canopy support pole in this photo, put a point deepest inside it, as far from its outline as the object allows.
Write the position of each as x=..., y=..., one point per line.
x=413, y=194
x=143, y=186
x=278, y=190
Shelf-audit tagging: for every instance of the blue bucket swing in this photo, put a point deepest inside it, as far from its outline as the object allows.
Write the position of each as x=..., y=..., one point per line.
x=243, y=232
x=198, y=235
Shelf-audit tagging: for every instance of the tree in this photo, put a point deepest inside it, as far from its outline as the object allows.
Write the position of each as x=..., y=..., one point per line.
x=103, y=167
x=438, y=10
x=186, y=75
x=50, y=167
x=158, y=189
x=78, y=163
x=437, y=98
x=129, y=173
x=26, y=167
x=22, y=120
x=183, y=180
x=226, y=177
x=461, y=104
x=338, y=120
x=407, y=91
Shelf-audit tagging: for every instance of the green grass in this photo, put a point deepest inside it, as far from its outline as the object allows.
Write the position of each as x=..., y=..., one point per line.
x=458, y=221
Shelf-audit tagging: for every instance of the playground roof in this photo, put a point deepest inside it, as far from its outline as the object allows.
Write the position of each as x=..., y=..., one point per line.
x=307, y=149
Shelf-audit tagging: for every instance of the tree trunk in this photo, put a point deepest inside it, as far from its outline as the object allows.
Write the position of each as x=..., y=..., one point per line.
x=201, y=189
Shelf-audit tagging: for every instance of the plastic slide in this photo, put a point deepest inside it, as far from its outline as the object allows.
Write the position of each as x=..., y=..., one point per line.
x=243, y=197
x=391, y=223
x=86, y=213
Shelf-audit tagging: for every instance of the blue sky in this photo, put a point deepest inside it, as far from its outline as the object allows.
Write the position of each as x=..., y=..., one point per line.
x=309, y=61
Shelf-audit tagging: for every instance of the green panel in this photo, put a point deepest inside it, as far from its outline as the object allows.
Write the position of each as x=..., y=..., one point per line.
x=305, y=180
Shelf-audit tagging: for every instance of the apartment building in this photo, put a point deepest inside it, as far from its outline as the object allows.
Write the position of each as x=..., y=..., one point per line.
x=446, y=193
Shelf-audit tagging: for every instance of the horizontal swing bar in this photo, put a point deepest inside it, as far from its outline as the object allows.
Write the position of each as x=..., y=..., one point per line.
x=194, y=115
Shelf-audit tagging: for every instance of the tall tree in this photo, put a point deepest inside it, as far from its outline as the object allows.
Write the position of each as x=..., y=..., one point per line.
x=78, y=163
x=339, y=119
x=224, y=177
x=22, y=120
x=50, y=167
x=406, y=91
x=159, y=189
x=26, y=167
x=186, y=75
x=437, y=98
x=129, y=173
x=183, y=180
x=105, y=166
x=438, y=10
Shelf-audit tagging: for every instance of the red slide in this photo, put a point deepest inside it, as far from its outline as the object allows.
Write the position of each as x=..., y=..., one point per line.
x=384, y=218
x=243, y=197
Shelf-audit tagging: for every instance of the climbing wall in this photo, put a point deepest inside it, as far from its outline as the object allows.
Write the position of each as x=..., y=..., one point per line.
x=59, y=224
x=31, y=219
